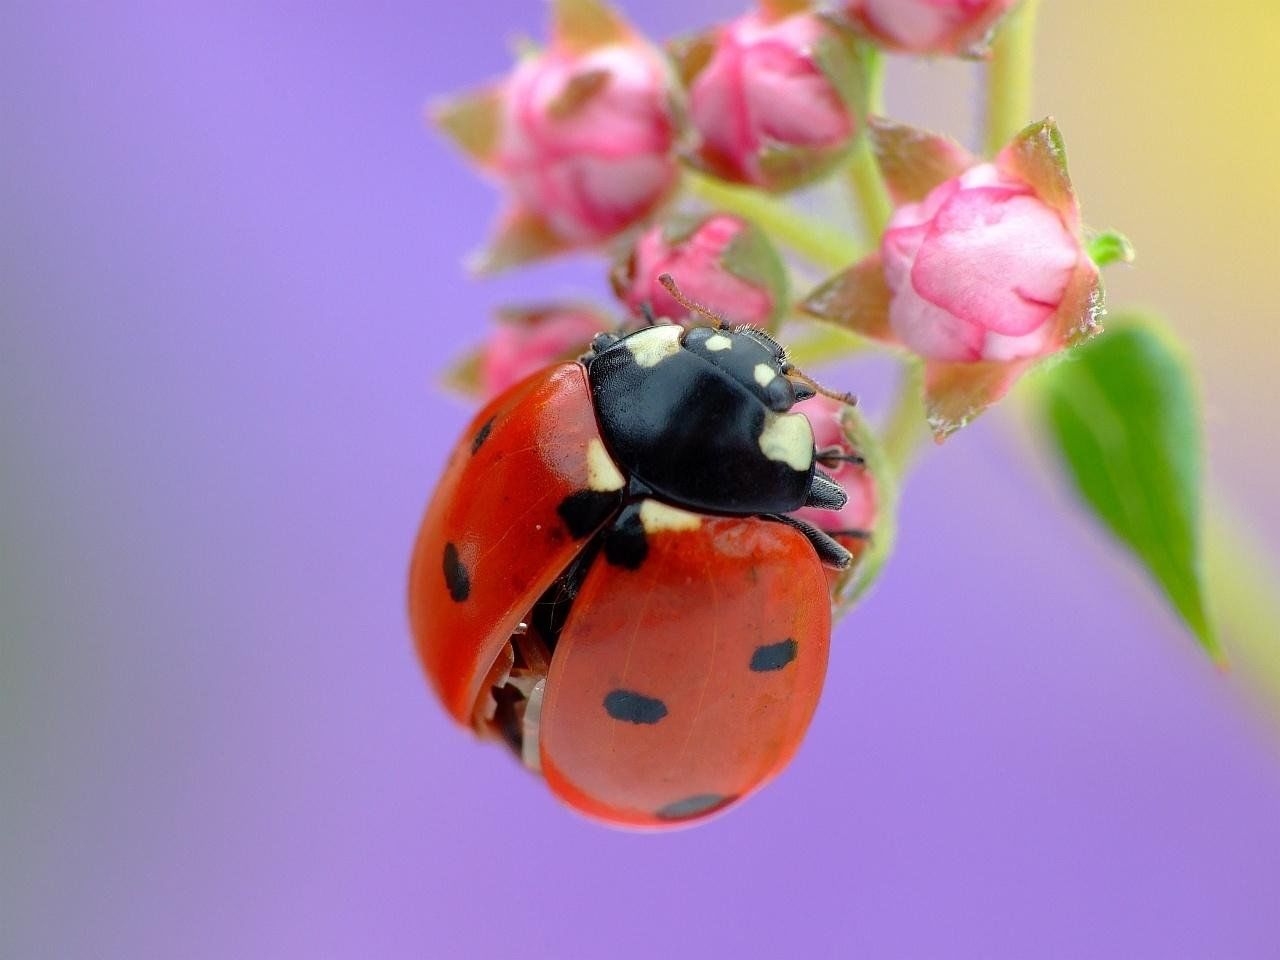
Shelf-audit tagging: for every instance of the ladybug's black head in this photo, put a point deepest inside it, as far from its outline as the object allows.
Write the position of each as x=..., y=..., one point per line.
x=752, y=358
x=701, y=417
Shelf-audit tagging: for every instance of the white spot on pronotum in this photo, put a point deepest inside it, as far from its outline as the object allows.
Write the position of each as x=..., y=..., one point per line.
x=650, y=347
x=718, y=341
x=656, y=517
x=602, y=473
x=788, y=439
x=765, y=374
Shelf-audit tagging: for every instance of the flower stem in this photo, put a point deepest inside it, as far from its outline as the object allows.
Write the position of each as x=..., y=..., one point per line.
x=865, y=180
x=905, y=427
x=1009, y=77
x=820, y=243
x=822, y=343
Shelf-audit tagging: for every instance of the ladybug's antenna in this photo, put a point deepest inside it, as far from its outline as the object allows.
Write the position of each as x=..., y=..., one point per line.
x=692, y=306
x=848, y=399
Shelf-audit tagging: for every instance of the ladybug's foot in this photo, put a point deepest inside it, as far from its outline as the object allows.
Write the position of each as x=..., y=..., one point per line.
x=825, y=493
x=834, y=457
x=830, y=552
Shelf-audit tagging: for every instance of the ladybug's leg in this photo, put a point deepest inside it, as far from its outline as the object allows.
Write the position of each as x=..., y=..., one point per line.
x=834, y=456
x=825, y=493
x=830, y=552
x=852, y=534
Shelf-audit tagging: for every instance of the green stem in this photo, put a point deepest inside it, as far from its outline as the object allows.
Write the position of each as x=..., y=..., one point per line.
x=820, y=243
x=822, y=343
x=872, y=196
x=905, y=427
x=1009, y=76
x=865, y=180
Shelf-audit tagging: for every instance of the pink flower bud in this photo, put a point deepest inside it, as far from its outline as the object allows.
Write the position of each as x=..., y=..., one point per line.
x=526, y=341
x=718, y=260
x=587, y=142
x=773, y=99
x=581, y=134
x=858, y=516
x=982, y=270
x=929, y=26
x=978, y=269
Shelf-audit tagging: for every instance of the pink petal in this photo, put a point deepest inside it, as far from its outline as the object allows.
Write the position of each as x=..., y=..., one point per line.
x=997, y=259
x=910, y=23
x=790, y=100
x=930, y=330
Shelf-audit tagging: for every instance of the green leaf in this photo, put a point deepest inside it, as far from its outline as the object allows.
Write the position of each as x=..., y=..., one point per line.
x=1109, y=247
x=1124, y=414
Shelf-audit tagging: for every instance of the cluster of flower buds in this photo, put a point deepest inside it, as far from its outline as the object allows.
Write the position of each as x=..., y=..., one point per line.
x=983, y=270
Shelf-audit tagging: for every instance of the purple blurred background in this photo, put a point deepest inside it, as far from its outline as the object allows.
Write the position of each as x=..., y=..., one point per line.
x=229, y=278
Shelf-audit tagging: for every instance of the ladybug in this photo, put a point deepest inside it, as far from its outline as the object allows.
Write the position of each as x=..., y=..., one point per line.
x=607, y=579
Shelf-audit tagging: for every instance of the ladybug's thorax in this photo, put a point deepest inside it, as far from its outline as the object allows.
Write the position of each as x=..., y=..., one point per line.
x=700, y=417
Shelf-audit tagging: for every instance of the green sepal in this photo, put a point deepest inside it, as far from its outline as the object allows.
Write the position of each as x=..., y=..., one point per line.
x=752, y=257
x=913, y=161
x=521, y=237
x=856, y=299
x=780, y=9
x=690, y=54
x=866, y=567
x=473, y=121
x=1038, y=155
x=463, y=375
x=1108, y=247
x=580, y=26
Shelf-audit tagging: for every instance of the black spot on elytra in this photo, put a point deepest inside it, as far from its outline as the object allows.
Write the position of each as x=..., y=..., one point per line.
x=482, y=435
x=694, y=806
x=632, y=707
x=773, y=656
x=455, y=574
x=625, y=545
x=584, y=511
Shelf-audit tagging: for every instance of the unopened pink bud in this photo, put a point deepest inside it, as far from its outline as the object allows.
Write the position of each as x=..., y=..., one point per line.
x=928, y=26
x=774, y=103
x=588, y=139
x=978, y=270
x=526, y=341
x=718, y=260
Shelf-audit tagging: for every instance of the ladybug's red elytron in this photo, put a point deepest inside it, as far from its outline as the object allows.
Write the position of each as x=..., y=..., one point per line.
x=606, y=578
